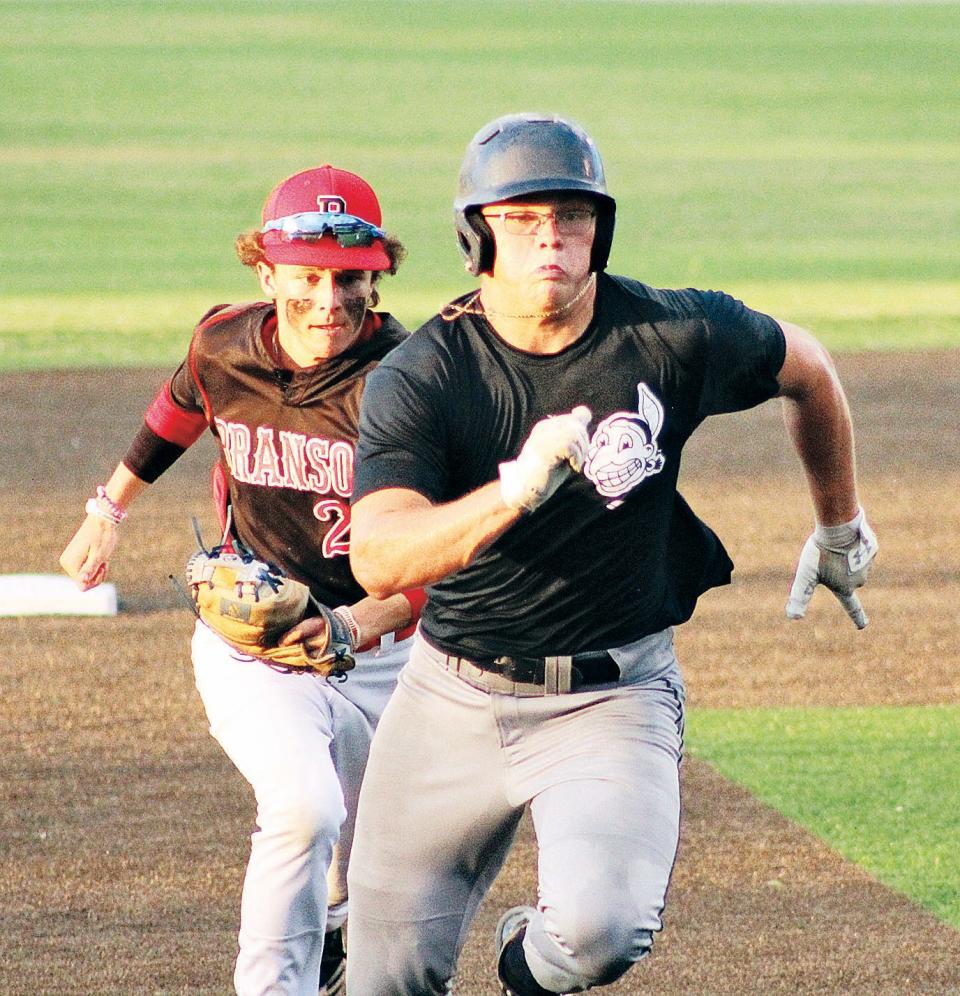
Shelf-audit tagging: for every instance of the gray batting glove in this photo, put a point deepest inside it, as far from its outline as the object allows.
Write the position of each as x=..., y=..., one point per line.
x=839, y=558
x=555, y=445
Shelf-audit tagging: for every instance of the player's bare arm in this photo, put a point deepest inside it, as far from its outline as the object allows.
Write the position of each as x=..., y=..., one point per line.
x=87, y=556
x=399, y=539
x=818, y=420
x=839, y=553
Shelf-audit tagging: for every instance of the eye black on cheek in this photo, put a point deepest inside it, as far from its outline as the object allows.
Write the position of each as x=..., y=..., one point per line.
x=297, y=307
x=355, y=307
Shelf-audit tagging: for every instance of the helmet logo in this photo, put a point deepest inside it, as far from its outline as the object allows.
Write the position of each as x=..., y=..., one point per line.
x=331, y=204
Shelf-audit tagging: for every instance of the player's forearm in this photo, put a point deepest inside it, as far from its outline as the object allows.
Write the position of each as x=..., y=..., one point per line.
x=124, y=487
x=818, y=420
x=399, y=540
x=376, y=616
x=826, y=451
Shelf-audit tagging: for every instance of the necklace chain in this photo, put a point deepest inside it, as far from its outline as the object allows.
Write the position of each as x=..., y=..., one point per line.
x=474, y=306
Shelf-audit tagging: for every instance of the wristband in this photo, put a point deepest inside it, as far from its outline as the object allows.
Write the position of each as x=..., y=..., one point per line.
x=104, y=507
x=834, y=537
x=343, y=613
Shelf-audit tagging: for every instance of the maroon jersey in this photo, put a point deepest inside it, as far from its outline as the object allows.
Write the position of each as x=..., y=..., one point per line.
x=287, y=438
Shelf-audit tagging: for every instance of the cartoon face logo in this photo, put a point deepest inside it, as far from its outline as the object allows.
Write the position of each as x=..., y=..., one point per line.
x=624, y=450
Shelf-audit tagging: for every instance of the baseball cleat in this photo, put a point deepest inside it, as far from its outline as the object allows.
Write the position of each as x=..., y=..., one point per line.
x=509, y=925
x=333, y=965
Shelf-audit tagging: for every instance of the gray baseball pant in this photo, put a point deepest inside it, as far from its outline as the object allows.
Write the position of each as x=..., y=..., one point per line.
x=450, y=771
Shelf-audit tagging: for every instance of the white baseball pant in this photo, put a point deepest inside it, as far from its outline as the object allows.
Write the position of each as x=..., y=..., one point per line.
x=450, y=771
x=301, y=742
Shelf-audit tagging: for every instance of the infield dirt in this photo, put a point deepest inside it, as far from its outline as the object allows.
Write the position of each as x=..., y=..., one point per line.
x=124, y=830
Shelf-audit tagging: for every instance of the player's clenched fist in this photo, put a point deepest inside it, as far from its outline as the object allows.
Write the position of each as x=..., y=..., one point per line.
x=838, y=557
x=87, y=555
x=554, y=445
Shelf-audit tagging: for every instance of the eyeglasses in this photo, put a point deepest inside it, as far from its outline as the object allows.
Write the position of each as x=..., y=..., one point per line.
x=569, y=221
x=310, y=226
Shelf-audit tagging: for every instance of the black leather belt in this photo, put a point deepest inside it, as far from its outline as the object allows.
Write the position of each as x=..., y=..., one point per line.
x=592, y=668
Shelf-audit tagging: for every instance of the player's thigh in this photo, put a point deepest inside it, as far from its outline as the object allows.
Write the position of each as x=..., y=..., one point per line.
x=433, y=828
x=275, y=726
x=432, y=806
x=607, y=843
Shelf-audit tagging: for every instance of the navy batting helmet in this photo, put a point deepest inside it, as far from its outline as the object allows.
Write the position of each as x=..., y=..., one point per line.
x=522, y=154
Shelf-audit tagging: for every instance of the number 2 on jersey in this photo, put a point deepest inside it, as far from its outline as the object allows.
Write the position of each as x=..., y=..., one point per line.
x=336, y=543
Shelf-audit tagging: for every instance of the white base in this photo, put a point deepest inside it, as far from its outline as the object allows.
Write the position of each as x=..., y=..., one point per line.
x=53, y=595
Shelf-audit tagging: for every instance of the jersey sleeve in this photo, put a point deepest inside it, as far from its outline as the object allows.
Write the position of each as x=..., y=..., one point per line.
x=400, y=445
x=745, y=352
x=172, y=423
x=184, y=391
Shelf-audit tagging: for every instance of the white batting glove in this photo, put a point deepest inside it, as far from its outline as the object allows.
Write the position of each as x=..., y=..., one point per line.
x=555, y=445
x=838, y=557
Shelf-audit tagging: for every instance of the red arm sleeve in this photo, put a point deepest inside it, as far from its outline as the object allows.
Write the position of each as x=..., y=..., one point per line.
x=167, y=431
x=173, y=423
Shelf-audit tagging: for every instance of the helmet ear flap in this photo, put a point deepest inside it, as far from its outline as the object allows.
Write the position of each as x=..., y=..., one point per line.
x=476, y=242
x=602, y=237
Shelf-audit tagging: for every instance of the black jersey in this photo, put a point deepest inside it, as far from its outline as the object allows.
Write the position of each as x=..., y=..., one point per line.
x=616, y=553
x=287, y=438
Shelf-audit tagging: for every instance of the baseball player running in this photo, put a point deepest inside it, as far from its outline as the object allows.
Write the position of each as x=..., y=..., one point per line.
x=519, y=455
x=278, y=385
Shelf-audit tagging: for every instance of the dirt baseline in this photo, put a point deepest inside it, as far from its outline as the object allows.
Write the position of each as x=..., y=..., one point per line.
x=124, y=830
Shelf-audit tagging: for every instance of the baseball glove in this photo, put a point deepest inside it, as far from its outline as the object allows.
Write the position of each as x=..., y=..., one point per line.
x=251, y=604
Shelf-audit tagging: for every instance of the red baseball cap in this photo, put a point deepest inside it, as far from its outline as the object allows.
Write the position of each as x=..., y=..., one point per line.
x=324, y=190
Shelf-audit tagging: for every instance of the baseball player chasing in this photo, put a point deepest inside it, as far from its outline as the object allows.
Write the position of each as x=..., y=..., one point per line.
x=519, y=455
x=278, y=384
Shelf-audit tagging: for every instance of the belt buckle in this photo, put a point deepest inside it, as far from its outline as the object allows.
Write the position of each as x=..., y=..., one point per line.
x=555, y=675
x=512, y=668
x=558, y=675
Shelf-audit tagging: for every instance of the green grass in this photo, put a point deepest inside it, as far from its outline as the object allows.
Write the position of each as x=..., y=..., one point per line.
x=880, y=785
x=753, y=146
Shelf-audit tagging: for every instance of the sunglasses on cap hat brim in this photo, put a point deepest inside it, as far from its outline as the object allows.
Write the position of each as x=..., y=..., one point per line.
x=311, y=226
